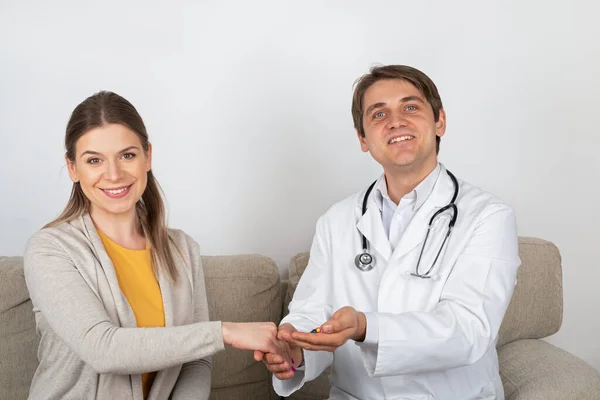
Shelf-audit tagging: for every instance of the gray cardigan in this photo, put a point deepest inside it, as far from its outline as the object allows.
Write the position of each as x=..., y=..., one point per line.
x=90, y=347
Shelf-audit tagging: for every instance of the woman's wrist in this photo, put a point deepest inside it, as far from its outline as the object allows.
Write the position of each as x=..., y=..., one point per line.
x=226, y=332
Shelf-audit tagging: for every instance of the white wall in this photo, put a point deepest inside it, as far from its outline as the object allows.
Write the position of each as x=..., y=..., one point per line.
x=247, y=104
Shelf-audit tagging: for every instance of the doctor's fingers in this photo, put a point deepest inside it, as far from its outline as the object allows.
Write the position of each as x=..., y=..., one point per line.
x=282, y=370
x=321, y=341
x=335, y=326
x=278, y=367
x=271, y=358
x=258, y=355
x=315, y=347
x=284, y=332
x=344, y=318
x=284, y=375
x=282, y=353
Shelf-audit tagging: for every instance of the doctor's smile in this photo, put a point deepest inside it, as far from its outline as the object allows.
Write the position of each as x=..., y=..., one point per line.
x=402, y=138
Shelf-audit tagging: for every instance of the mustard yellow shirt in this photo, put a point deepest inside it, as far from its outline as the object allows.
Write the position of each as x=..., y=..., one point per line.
x=140, y=287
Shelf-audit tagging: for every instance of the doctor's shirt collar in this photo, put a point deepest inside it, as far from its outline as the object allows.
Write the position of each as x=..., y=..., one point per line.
x=417, y=196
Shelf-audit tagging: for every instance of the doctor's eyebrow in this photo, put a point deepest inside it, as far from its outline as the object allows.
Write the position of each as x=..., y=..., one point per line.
x=412, y=98
x=95, y=153
x=402, y=100
x=373, y=107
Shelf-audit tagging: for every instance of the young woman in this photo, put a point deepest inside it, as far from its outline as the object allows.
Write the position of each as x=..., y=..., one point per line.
x=119, y=298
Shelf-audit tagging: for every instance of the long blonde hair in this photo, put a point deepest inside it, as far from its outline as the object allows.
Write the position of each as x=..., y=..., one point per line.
x=109, y=108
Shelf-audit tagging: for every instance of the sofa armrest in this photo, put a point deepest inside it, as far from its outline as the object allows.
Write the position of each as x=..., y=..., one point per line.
x=536, y=370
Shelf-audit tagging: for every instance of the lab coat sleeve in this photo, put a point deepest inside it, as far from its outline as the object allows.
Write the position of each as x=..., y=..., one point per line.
x=465, y=324
x=310, y=308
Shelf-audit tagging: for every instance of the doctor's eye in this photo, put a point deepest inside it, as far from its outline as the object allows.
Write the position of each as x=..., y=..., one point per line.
x=411, y=108
x=379, y=114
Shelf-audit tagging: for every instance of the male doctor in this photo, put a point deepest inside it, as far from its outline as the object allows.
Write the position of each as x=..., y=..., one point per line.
x=390, y=329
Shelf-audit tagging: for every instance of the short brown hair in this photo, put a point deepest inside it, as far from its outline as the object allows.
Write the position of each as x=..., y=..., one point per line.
x=412, y=75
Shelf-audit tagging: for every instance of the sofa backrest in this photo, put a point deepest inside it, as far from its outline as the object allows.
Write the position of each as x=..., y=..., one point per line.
x=536, y=307
x=535, y=310
x=240, y=288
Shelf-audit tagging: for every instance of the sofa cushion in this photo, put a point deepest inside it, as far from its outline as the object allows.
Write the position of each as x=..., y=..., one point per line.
x=18, y=339
x=536, y=370
x=535, y=310
x=241, y=288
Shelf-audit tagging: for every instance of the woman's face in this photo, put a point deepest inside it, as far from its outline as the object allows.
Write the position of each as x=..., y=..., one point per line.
x=111, y=166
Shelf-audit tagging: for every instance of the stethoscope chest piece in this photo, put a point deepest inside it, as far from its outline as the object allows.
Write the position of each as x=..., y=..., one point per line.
x=364, y=261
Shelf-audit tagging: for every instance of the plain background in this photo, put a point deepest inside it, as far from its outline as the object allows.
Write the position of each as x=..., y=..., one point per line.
x=248, y=107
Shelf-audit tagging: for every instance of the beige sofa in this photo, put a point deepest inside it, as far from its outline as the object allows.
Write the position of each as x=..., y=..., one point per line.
x=248, y=288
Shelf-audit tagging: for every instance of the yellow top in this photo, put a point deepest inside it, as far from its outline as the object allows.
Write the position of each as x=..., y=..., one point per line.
x=140, y=287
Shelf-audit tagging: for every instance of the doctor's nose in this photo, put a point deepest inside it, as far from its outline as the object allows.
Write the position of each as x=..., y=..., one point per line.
x=397, y=120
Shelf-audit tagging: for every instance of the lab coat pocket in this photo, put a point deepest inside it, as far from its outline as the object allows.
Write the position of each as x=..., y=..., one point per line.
x=419, y=294
x=420, y=284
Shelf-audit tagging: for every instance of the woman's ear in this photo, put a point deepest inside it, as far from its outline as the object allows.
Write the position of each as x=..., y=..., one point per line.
x=72, y=170
x=149, y=157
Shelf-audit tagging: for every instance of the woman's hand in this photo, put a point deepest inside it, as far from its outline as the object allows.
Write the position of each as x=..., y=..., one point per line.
x=261, y=336
x=278, y=365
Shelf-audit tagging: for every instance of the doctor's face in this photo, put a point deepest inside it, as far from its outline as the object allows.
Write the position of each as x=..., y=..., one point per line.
x=400, y=128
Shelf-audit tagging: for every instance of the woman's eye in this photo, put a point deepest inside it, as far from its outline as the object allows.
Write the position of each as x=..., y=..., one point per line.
x=93, y=160
x=128, y=156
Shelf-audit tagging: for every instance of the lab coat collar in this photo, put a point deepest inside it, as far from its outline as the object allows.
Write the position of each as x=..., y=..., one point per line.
x=371, y=225
x=417, y=228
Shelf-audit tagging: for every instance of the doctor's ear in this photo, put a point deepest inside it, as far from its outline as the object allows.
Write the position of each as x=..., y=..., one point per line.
x=363, y=143
x=440, y=125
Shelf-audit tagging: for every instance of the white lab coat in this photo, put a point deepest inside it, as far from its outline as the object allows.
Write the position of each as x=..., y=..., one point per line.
x=436, y=337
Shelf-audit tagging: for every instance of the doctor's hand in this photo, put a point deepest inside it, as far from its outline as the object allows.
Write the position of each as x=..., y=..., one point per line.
x=346, y=323
x=281, y=367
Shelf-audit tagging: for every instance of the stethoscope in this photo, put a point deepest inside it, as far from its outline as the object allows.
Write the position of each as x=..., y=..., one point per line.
x=364, y=260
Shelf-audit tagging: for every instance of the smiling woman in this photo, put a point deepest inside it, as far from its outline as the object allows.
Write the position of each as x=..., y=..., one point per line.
x=119, y=298
x=109, y=161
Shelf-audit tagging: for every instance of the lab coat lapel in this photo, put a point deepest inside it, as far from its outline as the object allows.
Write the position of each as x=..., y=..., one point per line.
x=417, y=228
x=371, y=225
